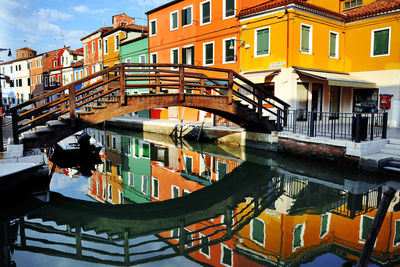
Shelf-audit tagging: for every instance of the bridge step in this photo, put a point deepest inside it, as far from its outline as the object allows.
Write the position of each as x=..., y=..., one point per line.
x=84, y=112
x=43, y=129
x=30, y=135
x=55, y=123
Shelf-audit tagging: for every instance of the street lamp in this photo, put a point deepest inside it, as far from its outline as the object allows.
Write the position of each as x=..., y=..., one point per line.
x=1, y=101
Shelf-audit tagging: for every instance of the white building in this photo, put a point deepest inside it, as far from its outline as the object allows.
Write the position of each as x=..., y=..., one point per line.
x=8, y=89
x=68, y=58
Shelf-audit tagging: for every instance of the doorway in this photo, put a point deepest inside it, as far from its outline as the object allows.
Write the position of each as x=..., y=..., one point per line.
x=316, y=99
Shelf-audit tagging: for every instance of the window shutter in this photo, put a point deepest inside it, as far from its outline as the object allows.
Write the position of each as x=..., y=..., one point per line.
x=184, y=56
x=297, y=236
x=381, y=42
x=189, y=15
x=192, y=57
x=332, y=45
x=366, y=225
x=174, y=20
x=324, y=224
x=183, y=15
x=230, y=8
x=305, y=39
x=397, y=233
x=262, y=42
x=206, y=12
x=209, y=54
x=175, y=56
x=258, y=230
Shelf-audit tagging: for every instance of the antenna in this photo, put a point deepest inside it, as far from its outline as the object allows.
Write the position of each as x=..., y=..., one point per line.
x=62, y=37
x=144, y=4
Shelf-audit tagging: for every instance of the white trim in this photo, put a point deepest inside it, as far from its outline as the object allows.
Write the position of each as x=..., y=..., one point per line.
x=152, y=187
x=256, y=41
x=222, y=256
x=115, y=42
x=224, y=10
x=143, y=188
x=303, y=229
x=208, y=256
x=224, y=52
x=186, y=47
x=170, y=20
x=172, y=56
x=128, y=60
x=105, y=46
x=201, y=13
x=185, y=158
x=186, y=192
x=310, y=40
x=191, y=16
x=131, y=174
x=142, y=55
x=153, y=34
x=373, y=40
x=336, y=45
x=172, y=190
x=251, y=231
x=121, y=196
x=151, y=57
x=204, y=53
x=327, y=225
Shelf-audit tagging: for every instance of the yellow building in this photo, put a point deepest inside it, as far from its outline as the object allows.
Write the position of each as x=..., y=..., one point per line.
x=325, y=56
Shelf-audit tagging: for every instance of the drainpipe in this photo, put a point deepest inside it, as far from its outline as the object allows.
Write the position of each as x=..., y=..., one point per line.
x=287, y=36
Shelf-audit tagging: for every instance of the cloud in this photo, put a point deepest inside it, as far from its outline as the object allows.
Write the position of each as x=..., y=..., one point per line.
x=85, y=9
x=53, y=15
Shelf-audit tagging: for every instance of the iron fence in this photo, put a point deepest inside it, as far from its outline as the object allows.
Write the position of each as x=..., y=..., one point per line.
x=354, y=126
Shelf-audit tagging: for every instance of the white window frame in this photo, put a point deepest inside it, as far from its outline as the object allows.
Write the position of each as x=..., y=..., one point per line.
x=150, y=30
x=373, y=40
x=170, y=20
x=142, y=187
x=185, y=157
x=224, y=10
x=186, y=191
x=172, y=191
x=223, y=50
x=336, y=45
x=256, y=41
x=301, y=236
x=208, y=256
x=106, y=46
x=93, y=48
x=251, y=232
x=140, y=57
x=327, y=225
x=204, y=53
x=128, y=60
x=46, y=81
x=152, y=187
x=310, y=41
x=222, y=256
x=201, y=12
x=121, y=196
x=361, y=240
x=117, y=41
x=191, y=10
x=172, y=57
x=151, y=56
x=131, y=174
x=99, y=44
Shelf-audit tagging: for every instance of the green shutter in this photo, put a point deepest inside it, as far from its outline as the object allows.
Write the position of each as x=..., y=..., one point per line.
x=137, y=148
x=332, y=44
x=175, y=56
x=205, y=249
x=153, y=27
x=381, y=42
x=183, y=17
x=229, y=8
x=192, y=57
x=188, y=164
x=206, y=12
x=184, y=56
x=305, y=39
x=146, y=150
x=366, y=225
x=227, y=256
x=324, y=224
x=221, y=169
x=258, y=230
x=397, y=233
x=297, y=235
x=209, y=54
x=262, y=42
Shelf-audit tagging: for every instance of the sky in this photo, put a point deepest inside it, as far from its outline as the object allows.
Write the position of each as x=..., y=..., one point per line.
x=45, y=25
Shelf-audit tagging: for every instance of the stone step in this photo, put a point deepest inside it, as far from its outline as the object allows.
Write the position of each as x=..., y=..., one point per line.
x=391, y=151
x=392, y=146
x=43, y=129
x=30, y=135
x=54, y=123
x=394, y=141
x=391, y=169
x=394, y=163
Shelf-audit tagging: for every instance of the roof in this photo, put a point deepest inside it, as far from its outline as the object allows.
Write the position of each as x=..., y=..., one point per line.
x=26, y=48
x=144, y=36
x=77, y=64
x=128, y=28
x=101, y=30
x=163, y=6
x=373, y=9
x=15, y=60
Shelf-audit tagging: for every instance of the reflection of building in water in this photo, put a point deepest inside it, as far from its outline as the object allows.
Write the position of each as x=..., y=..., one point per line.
x=338, y=222
x=97, y=186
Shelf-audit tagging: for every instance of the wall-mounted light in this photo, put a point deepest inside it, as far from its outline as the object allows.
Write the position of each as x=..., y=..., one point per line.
x=232, y=45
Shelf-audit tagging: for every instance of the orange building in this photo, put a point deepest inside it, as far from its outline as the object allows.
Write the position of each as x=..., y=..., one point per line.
x=201, y=33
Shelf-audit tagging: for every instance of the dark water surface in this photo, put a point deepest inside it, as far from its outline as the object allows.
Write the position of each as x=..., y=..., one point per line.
x=156, y=202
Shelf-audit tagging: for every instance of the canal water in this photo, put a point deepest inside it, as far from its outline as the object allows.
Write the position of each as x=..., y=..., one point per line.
x=156, y=201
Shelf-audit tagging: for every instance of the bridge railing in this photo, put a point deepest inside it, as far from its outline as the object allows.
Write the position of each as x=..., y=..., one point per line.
x=139, y=78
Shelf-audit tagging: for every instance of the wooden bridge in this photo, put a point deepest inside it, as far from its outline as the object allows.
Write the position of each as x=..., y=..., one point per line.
x=50, y=117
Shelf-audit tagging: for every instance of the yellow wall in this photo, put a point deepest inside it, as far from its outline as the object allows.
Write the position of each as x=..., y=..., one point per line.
x=112, y=57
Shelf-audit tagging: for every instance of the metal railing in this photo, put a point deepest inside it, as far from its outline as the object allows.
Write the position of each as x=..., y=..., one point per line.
x=336, y=125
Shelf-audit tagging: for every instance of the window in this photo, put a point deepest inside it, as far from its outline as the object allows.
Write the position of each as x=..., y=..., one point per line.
x=94, y=69
x=86, y=52
x=110, y=192
x=136, y=147
x=298, y=236
x=123, y=23
x=185, y=192
x=205, y=12
x=99, y=44
x=145, y=150
x=229, y=48
x=188, y=238
x=29, y=81
x=174, y=20
x=66, y=60
x=325, y=221
x=175, y=56
x=306, y=39
x=153, y=57
x=188, y=164
x=262, y=37
x=142, y=59
x=145, y=184
x=116, y=42
x=352, y=3
x=229, y=8
x=205, y=249
x=174, y=191
x=187, y=16
x=365, y=225
x=114, y=142
x=221, y=169
x=153, y=27
x=55, y=64
x=128, y=60
x=226, y=255
x=396, y=239
x=131, y=181
x=188, y=55
x=108, y=141
x=108, y=166
x=333, y=45
x=258, y=231
x=106, y=46
x=380, y=45
x=154, y=189
x=119, y=169
x=121, y=197
x=46, y=81
x=208, y=54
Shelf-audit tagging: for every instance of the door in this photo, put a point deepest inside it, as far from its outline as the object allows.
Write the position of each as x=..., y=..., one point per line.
x=302, y=101
x=334, y=102
x=316, y=99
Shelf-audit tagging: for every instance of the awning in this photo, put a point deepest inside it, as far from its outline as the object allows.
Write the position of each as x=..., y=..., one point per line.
x=337, y=79
x=258, y=77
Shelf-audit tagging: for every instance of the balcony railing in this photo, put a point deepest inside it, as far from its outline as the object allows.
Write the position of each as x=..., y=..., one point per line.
x=334, y=125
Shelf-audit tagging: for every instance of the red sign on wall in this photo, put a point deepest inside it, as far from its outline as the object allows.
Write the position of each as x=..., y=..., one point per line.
x=384, y=101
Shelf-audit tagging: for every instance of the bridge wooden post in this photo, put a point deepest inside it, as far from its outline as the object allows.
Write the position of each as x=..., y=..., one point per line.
x=122, y=98
x=260, y=100
x=72, y=106
x=181, y=83
x=158, y=81
x=15, y=126
x=230, y=87
x=202, y=88
x=62, y=104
